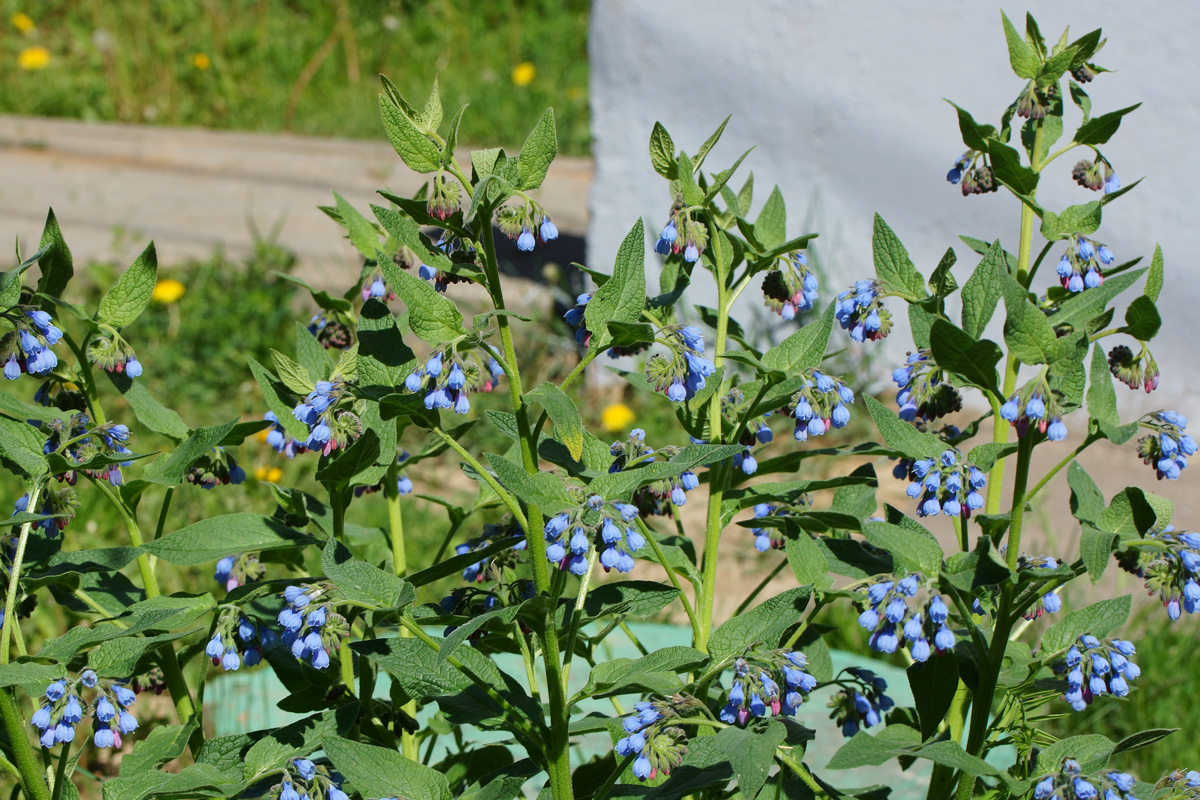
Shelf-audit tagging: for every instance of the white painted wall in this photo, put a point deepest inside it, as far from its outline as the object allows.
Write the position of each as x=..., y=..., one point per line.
x=844, y=101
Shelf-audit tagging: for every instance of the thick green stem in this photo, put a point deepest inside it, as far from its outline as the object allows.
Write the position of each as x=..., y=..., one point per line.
x=60, y=774
x=1021, y=479
x=391, y=493
x=14, y=581
x=32, y=782
x=648, y=535
x=577, y=616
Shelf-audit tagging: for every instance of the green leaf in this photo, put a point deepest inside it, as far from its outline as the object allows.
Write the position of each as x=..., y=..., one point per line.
x=361, y=582
x=807, y=560
x=165, y=743
x=1095, y=548
x=662, y=152
x=216, y=537
x=1099, y=130
x=383, y=772
x=21, y=447
x=431, y=118
x=865, y=750
x=912, y=548
x=771, y=225
x=900, y=435
x=1142, y=319
x=1073, y=220
x=1133, y=512
x=363, y=235
x=892, y=264
x=1091, y=751
x=765, y=624
x=1101, y=397
x=622, y=298
x=1086, y=306
x=751, y=753
x=298, y=739
x=1137, y=741
x=55, y=261
x=934, y=684
x=170, y=470
x=1154, y=280
x=345, y=466
x=539, y=150
x=275, y=393
x=656, y=672
x=711, y=141
x=431, y=315
x=32, y=678
x=1087, y=503
x=291, y=374
x=1025, y=62
x=981, y=293
x=130, y=295
x=975, y=361
x=118, y=658
x=322, y=298
x=1007, y=166
x=1029, y=335
x=984, y=456
x=452, y=135
x=805, y=348
x=568, y=426
x=384, y=360
x=1099, y=619
x=619, y=484
x=413, y=147
x=541, y=489
x=974, y=135
x=634, y=598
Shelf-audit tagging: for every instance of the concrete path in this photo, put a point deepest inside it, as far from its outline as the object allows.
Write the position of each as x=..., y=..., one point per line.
x=115, y=186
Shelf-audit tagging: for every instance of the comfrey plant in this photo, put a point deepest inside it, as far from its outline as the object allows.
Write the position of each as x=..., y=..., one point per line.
x=567, y=535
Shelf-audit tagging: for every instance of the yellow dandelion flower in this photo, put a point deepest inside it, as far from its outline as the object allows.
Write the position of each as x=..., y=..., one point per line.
x=523, y=74
x=201, y=61
x=616, y=417
x=22, y=22
x=33, y=58
x=168, y=291
x=274, y=474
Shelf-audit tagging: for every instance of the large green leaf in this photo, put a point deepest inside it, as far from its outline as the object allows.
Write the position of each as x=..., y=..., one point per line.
x=216, y=537
x=622, y=298
x=130, y=295
x=764, y=624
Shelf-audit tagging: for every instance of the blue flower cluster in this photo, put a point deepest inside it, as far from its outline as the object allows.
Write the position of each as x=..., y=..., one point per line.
x=923, y=389
x=1035, y=406
x=892, y=623
x=520, y=223
x=949, y=486
x=819, y=405
x=574, y=318
x=1048, y=603
x=634, y=452
x=860, y=311
x=1168, y=447
x=789, y=286
x=62, y=710
x=81, y=443
x=279, y=440
x=1174, y=573
x=310, y=782
x=571, y=534
x=27, y=347
x=318, y=413
x=237, y=639
x=492, y=533
x=658, y=744
x=1101, y=667
x=682, y=234
x=59, y=505
x=217, y=467
x=239, y=569
x=446, y=382
x=1182, y=785
x=1069, y=783
x=756, y=692
x=683, y=374
x=768, y=537
x=1081, y=266
x=861, y=702
x=311, y=630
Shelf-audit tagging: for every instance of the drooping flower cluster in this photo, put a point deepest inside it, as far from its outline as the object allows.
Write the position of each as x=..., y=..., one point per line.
x=1101, y=667
x=755, y=691
x=60, y=505
x=1096, y=175
x=444, y=197
x=108, y=350
x=1048, y=603
x=860, y=310
x=653, y=735
x=948, y=485
x=215, y=468
x=329, y=428
x=975, y=179
x=236, y=639
x=279, y=440
x=1081, y=267
x=574, y=318
x=473, y=600
x=1180, y=785
x=767, y=537
x=682, y=374
x=893, y=623
x=62, y=709
x=238, y=570
x=570, y=535
x=306, y=780
x=734, y=407
x=27, y=348
x=377, y=288
x=82, y=443
x=923, y=389
x=652, y=498
x=331, y=333
x=789, y=286
x=1135, y=373
x=861, y=702
x=1035, y=406
x=492, y=533
x=1173, y=573
x=1069, y=783
x=820, y=403
x=682, y=234
x=312, y=629
x=520, y=224
x=447, y=377
x=1168, y=447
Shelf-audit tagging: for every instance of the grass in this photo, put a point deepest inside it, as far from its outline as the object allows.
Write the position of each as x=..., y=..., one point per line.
x=309, y=68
